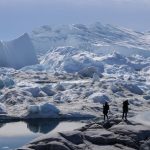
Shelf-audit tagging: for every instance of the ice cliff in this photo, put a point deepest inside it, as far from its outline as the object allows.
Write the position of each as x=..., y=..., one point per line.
x=17, y=53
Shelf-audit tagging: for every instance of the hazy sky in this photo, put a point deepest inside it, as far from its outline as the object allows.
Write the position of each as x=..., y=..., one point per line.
x=19, y=16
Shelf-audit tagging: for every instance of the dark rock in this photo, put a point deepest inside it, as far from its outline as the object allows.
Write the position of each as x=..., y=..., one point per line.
x=54, y=145
x=146, y=145
x=112, y=135
x=75, y=137
x=100, y=137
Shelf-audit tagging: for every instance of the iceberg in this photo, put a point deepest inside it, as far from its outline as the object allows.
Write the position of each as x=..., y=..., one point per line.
x=17, y=53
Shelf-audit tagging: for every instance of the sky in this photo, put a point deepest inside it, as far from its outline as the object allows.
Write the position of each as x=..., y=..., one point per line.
x=20, y=16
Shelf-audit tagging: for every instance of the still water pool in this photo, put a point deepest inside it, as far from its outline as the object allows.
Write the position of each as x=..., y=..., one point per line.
x=16, y=134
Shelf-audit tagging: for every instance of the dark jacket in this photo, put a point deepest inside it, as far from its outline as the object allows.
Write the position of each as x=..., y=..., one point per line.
x=105, y=108
x=125, y=106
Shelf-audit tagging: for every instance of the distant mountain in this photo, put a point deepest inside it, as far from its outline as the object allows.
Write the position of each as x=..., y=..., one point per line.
x=96, y=37
x=17, y=53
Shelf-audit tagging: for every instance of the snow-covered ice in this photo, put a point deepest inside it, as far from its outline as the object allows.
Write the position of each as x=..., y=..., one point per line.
x=80, y=67
x=143, y=118
x=17, y=53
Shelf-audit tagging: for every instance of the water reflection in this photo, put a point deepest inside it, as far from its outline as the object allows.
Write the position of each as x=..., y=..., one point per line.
x=16, y=134
x=43, y=126
x=1, y=125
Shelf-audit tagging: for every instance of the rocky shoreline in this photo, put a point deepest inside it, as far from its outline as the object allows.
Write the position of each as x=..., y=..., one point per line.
x=111, y=135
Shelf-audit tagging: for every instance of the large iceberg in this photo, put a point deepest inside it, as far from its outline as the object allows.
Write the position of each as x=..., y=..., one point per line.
x=44, y=110
x=17, y=53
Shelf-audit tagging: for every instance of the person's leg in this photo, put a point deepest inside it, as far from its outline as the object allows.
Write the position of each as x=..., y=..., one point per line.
x=104, y=117
x=126, y=115
x=123, y=115
x=107, y=116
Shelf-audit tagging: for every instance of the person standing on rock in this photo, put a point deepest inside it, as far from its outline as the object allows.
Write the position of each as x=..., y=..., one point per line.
x=125, y=109
x=105, y=110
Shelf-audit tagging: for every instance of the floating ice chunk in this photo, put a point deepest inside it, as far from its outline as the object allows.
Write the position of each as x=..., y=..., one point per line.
x=33, y=109
x=37, y=67
x=96, y=77
x=42, y=94
x=135, y=102
x=18, y=53
x=134, y=89
x=88, y=93
x=8, y=82
x=146, y=97
x=1, y=84
x=58, y=98
x=59, y=87
x=115, y=88
x=47, y=89
x=43, y=110
x=99, y=98
x=2, y=109
x=35, y=91
x=49, y=108
x=89, y=71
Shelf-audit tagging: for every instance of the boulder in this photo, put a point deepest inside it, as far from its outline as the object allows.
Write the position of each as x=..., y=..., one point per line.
x=75, y=137
x=120, y=135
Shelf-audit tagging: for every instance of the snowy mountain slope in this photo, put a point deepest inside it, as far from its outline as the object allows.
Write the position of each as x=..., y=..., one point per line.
x=96, y=37
x=17, y=53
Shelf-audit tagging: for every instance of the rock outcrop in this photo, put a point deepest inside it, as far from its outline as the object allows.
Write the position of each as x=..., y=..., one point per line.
x=114, y=134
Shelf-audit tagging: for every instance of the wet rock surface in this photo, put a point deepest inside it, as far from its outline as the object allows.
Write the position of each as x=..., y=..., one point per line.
x=113, y=134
